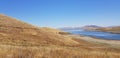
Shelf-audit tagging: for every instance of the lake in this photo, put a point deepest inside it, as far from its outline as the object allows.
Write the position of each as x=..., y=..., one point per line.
x=97, y=34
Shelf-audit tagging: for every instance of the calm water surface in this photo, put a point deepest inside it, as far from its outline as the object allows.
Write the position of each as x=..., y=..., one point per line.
x=97, y=34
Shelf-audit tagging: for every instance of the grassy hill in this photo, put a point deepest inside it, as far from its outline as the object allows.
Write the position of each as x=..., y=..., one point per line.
x=22, y=40
x=20, y=33
x=110, y=29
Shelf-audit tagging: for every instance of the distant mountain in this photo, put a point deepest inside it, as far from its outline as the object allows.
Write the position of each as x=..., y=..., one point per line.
x=90, y=27
x=87, y=27
x=93, y=26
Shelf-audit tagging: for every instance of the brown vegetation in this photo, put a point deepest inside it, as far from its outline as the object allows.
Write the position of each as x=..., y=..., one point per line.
x=22, y=40
x=112, y=29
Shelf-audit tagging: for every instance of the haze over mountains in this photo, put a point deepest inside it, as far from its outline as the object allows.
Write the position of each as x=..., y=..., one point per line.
x=83, y=27
x=112, y=29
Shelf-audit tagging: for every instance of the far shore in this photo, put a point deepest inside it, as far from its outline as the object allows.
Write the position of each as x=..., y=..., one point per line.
x=113, y=32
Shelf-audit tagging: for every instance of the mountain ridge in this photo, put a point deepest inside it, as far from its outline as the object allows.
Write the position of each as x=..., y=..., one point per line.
x=86, y=27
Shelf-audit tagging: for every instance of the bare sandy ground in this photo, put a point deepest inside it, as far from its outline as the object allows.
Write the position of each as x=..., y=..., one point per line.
x=112, y=43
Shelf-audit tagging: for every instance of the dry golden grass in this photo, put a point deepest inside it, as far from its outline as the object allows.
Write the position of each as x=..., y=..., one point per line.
x=112, y=29
x=56, y=52
x=21, y=40
x=20, y=33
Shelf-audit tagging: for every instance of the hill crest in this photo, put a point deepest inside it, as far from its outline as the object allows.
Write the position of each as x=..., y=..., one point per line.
x=15, y=32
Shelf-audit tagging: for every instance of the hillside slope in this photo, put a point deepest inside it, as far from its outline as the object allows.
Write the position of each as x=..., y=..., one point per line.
x=22, y=40
x=16, y=32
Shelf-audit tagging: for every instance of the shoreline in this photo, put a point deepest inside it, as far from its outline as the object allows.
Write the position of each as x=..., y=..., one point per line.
x=98, y=38
x=112, y=43
x=112, y=32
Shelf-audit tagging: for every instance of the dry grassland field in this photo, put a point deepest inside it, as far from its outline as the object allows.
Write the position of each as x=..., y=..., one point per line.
x=22, y=40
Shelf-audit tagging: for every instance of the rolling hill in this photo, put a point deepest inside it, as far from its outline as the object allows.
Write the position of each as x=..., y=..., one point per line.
x=115, y=29
x=14, y=32
x=22, y=40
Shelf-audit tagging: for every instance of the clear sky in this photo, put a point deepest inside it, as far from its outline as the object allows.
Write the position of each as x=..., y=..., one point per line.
x=63, y=13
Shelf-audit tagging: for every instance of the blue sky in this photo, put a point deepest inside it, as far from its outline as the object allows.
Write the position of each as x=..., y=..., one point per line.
x=63, y=13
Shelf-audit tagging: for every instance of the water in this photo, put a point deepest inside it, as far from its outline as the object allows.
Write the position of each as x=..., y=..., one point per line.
x=97, y=34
